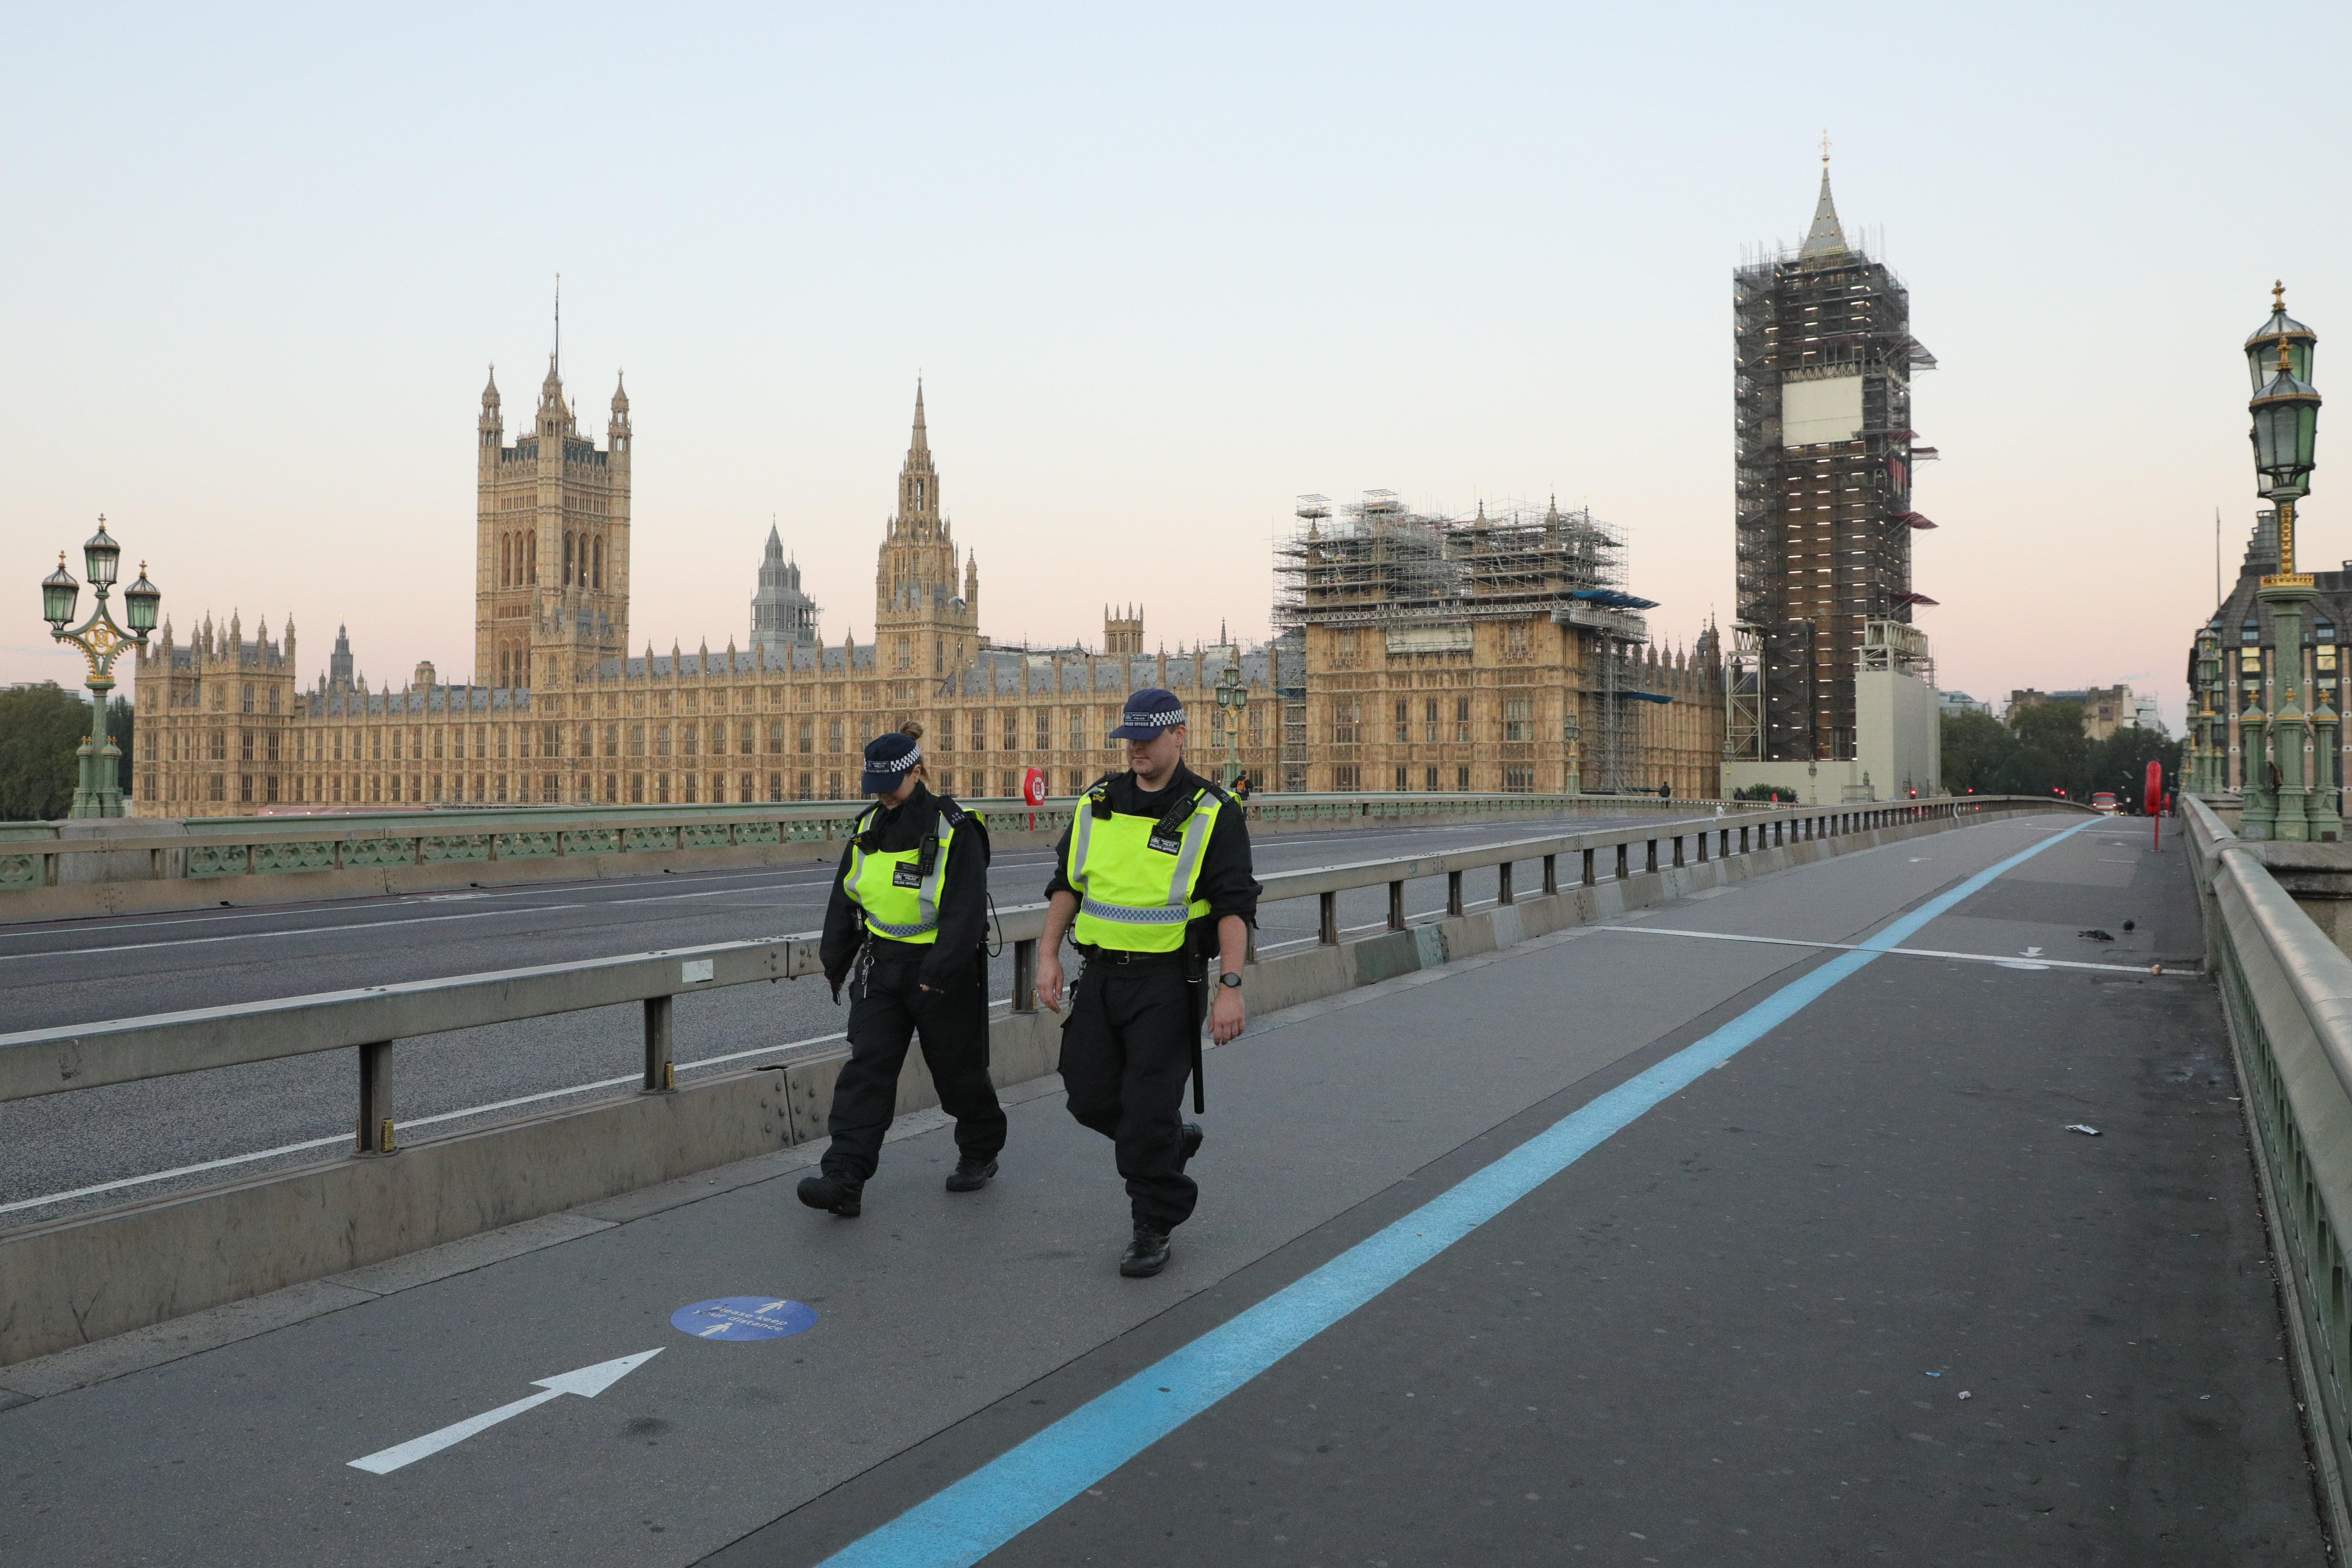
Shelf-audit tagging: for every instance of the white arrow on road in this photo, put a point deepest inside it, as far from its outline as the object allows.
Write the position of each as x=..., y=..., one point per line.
x=588, y=1383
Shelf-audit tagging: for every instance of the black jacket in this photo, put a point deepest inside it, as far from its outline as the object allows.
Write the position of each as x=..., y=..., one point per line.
x=963, y=891
x=1226, y=879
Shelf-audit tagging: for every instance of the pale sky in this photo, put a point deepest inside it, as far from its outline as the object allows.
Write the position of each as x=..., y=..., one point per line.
x=1162, y=271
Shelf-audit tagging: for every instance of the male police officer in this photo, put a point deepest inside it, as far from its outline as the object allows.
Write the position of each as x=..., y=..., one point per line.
x=1155, y=873
x=910, y=911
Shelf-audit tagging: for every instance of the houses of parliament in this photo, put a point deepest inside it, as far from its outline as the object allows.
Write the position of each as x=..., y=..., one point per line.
x=1475, y=694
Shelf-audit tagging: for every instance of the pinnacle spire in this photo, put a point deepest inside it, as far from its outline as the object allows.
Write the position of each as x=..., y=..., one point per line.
x=1826, y=238
x=922, y=440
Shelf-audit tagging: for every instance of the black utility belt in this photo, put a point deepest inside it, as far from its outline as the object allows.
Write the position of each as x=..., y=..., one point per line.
x=1123, y=959
x=884, y=946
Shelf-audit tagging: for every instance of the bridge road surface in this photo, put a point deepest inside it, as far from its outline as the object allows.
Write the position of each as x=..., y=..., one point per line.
x=67, y=971
x=1738, y=1329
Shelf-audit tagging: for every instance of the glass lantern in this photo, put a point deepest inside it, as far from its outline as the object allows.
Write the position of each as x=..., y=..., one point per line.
x=139, y=602
x=100, y=556
x=58, y=592
x=2286, y=420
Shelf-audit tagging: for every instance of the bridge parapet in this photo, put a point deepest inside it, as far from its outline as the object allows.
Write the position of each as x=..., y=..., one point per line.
x=2287, y=991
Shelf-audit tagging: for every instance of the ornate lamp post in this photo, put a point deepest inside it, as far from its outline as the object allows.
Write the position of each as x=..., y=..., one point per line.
x=2285, y=411
x=1573, y=734
x=2207, y=765
x=1232, y=697
x=98, y=792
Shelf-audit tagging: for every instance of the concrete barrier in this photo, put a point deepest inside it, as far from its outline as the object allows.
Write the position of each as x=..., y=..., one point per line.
x=75, y=1280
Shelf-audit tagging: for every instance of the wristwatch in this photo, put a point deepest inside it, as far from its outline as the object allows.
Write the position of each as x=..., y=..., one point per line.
x=1229, y=978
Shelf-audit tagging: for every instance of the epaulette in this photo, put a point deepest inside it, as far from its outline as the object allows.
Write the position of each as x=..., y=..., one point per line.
x=1225, y=797
x=955, y=813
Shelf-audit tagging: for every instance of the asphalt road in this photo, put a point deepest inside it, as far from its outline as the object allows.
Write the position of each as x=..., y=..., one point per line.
x=81, y=971
x=1855, y=1295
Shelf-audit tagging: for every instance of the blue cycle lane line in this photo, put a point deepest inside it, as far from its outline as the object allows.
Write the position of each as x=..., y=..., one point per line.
x=960, y=1524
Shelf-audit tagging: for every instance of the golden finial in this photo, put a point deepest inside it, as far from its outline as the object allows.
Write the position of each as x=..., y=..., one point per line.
x=1826, y=146
x=2278, y=296
x=2285, y=364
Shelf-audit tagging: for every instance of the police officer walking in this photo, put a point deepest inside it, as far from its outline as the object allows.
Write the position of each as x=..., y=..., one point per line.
x=1152, y=878
x=908, y=915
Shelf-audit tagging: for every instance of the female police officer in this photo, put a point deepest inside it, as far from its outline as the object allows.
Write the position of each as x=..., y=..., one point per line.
x=908, y=911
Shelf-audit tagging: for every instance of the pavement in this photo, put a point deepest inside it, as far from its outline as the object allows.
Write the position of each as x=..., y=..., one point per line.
x=1785, y=1255
x=67, y=971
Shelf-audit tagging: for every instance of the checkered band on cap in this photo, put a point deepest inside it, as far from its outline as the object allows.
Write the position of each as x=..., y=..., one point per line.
x=892, y=764
x=1163, y=719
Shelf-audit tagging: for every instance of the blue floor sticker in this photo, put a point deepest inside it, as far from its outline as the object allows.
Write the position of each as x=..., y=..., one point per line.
x=743, y=1318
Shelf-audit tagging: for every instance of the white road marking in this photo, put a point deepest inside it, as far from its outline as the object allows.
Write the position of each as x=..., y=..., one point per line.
x=280, y=911
x=368, y=925
x=1992, y=958
x=588, y=1382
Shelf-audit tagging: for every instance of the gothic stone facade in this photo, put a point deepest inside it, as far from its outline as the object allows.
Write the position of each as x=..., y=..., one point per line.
x=558, y=713
x=1491, y=711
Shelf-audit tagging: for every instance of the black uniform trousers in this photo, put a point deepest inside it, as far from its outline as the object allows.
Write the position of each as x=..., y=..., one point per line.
x=954, y=1024
x=1127, y=1049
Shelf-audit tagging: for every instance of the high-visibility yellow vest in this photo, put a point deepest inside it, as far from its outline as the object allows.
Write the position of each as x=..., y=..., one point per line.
x=1134, y=875
x=899, y=888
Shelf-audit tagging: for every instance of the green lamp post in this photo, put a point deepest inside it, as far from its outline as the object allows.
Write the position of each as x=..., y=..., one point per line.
x=2302, y=723
x=2208, y=767
x=1232, y=697
x=98, y=792
x=1572, y=733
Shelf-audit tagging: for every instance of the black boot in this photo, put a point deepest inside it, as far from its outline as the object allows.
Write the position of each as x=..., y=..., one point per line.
x=1189, y=1144
x=970, y=1175
x=1147, y=1255
x=836, y=1195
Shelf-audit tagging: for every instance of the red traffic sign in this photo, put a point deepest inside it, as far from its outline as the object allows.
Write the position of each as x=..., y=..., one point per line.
x=2152, y=797
x=1032, y=786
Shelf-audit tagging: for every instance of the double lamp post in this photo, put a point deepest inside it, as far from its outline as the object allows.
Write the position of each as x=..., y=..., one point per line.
x=99, y=790
x=2291, y=782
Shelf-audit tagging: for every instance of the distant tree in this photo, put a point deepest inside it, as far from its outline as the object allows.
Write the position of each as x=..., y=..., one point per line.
x=2051, y=753
x=41, y=729
x=2120, y=762
x=1976, y=750
x=2042, y=750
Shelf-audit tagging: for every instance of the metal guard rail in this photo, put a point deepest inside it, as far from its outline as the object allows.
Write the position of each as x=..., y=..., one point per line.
x=90, y=1056
x=2287, y=991
x=236, y=847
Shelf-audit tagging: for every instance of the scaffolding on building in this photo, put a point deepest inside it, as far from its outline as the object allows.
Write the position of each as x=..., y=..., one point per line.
x=1376, y=563
x=1743, y=697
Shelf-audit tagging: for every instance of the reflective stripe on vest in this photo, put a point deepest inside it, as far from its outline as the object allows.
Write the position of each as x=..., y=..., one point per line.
x=902, y=914
x=1115, y=869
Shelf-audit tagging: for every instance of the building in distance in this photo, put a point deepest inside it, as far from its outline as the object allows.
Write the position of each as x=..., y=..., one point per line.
x=1498, y=652
x=782, y=618
x=1832, y=682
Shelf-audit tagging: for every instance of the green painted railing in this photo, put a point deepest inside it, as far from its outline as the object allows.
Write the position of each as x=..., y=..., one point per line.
x=2287, y=991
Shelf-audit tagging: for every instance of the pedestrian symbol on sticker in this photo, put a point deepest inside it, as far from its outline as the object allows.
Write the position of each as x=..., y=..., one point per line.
x=743, y=1318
